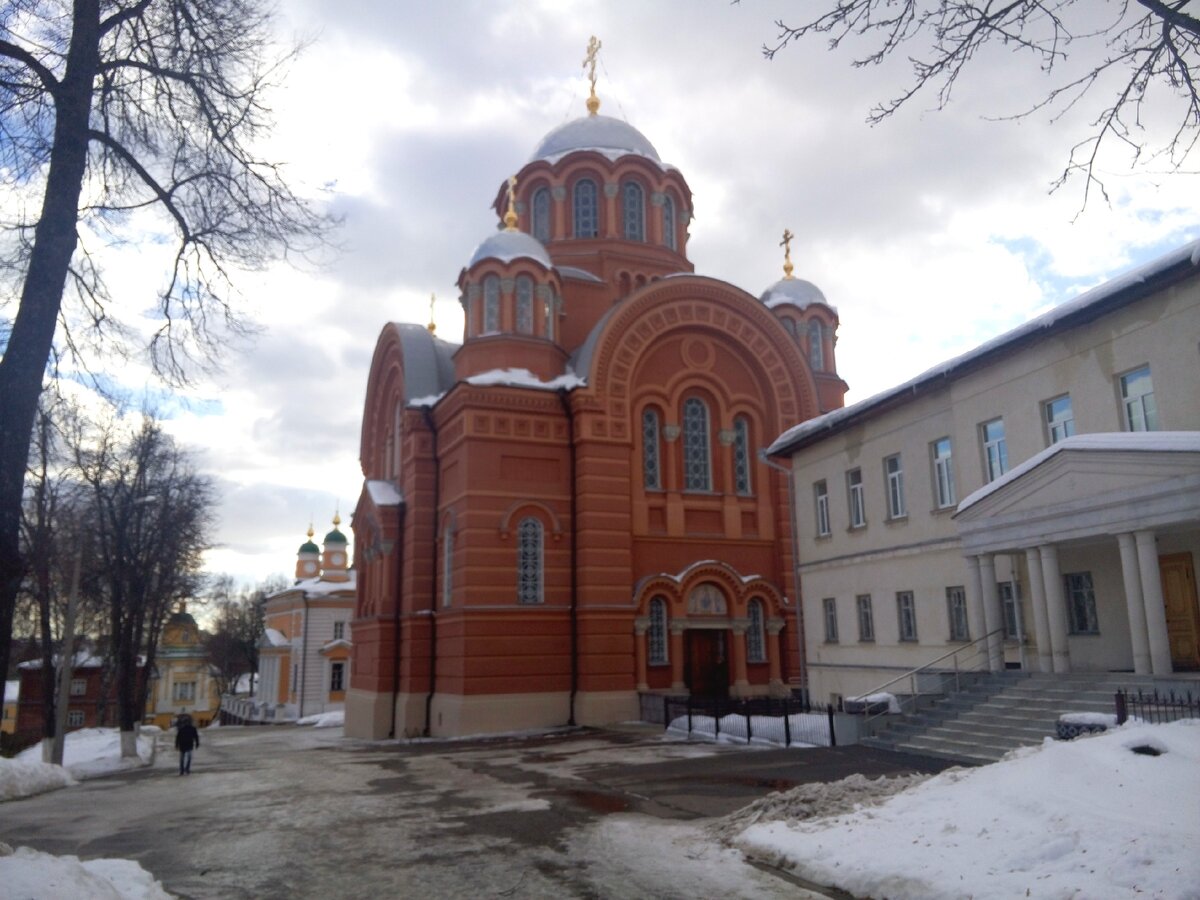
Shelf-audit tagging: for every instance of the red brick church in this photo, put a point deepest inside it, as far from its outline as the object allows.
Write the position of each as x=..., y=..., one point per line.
x=567, y=509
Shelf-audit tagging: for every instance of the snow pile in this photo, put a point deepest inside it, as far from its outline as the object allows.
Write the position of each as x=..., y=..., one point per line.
x=806, y=729
x=324, y=720
x=89, y=752
x=1103, y=816
x=871, y=700
x=31, y=875
x=24, y=778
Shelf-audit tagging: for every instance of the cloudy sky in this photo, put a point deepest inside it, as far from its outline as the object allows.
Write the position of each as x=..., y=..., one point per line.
x=930, y=233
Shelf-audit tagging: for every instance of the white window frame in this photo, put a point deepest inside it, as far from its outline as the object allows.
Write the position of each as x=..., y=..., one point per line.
x=821, y=498
x=995, y=448
x=829, y=605
x=1058, y=418
x=906, y=616
x=1010, y=598
x=866, y=618
x=78, y=687
x=943, y=472
x=183, y=692
x=339, y=631
x=530, y=565
x=1141, y=409
x=893, y=471
x=75, y=718
x=855, y=498
x=956, y=613
x=1080, y=596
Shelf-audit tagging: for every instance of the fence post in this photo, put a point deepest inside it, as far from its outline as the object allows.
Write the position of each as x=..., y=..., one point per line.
x=1122, y=708
x=746, y=714
x=787, y=724
x=832, y=736
x=716, y=711
x=689, y=714
x=666, y=713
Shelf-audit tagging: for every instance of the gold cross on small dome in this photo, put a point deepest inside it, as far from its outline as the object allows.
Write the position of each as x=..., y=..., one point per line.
x=589, y=63
x=786, y=244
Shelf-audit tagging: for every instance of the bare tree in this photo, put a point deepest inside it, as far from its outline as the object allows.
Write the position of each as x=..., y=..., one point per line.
x=111, y=110
x=233, y=644
x=1130, y=48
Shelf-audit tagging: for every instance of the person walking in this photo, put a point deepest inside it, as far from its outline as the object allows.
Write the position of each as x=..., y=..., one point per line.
x=187, y=738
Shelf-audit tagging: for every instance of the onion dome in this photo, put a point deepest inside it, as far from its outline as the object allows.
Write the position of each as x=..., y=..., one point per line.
x=507, y=246
x=790, y=290
x=308, y=546
x=335, y=536
x=603, y=134
x=181, y=617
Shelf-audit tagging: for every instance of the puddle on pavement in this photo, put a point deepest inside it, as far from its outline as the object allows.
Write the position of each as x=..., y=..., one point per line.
x=598, y=802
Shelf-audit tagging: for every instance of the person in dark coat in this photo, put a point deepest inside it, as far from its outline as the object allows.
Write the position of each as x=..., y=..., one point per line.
x=187, y=738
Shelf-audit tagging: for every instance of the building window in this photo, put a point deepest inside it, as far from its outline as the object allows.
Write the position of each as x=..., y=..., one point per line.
x=529, y=561
x=831, y=631
x=854, y=489
x=995, y=450
x=1060, y=422
x=668, y=219
x=741, y=456
x=1081, y=603
x=756, y=644
x=78, y=687
x=906, y=610
x=956, y=607
x=339, y=631
x=549, y=330
x=337, y=674
x=585, y=208
x=696, y=446
x=541, y=214
x=894, y=471
x=184, y=691
x=491, y=304
x=524, y=304
x=657, y=633
x=1008, y=604
x=821, y=492
x=633, y=200
x=816, y=347
x=1137, y=394
x=943, y=472
x=74, y=718
x=447, y=564
x=651, y=462
x=866, y=618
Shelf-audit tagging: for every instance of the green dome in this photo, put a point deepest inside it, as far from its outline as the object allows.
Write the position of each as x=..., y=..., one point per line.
x=335, y=537
x=309, y=547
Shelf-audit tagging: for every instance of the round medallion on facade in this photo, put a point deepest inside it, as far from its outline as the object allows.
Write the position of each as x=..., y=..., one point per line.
x=698, y=353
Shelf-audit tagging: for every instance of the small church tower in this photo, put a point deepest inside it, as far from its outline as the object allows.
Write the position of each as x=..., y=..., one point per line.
x=308, y=558
x=334, y=564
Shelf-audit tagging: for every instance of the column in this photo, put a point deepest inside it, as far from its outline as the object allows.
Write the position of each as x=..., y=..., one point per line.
x=1056, y=608
x=1041, y=620
x=992, y=617
x=774, y=661
x=640, y=627
x=677, y=685
x=737, y=653
x=1135, y=604
x=1156, y=610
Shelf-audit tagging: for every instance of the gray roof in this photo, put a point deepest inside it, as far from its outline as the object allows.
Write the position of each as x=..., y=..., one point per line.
x=428, y=361
x=509, y=245
x=604, y=134
x=793, y=292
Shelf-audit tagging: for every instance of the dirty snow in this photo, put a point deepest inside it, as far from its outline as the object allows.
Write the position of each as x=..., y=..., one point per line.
x=31, y=875
x=325, y=720
x=805, y=729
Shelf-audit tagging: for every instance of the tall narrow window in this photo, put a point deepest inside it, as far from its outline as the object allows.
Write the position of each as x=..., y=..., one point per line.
x=1060, y=423
x=656, y=634
x=855, y=498
x=491, y=304
x=1137, y=394
x=821, y=493
x=337, y=675
x=541, y=214
x=529, y=561
x=696, y=446
x=447, y=564
x=651, y=463
x=586, y=222
x=816, y=347
x=1008, y=603
x=995, y=449
x=339, y=631
x=866, y=618
x=633, y=201
x=756, y=644
x=1081, y=603
x=524, y=304
x=943, y=472
x=668, y=214
x=831, y=628
x=906, y=611
x=549, y=330
x=894, y=471
x=741, y=456
x=956, y=611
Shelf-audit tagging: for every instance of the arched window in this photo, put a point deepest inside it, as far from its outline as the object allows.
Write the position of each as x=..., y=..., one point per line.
x=541, y=214
x=491, y=304
x=696, y=446
x=529, y=561
x=447, y=563
x=656, y=634
x=524, y=304
x=741, y=455
x=668, y=209
x=633, y=202
x=789, y=325
x=816, y=347
x=651, y=464
x=586, y=218
x=756, y=646
x=549, y=331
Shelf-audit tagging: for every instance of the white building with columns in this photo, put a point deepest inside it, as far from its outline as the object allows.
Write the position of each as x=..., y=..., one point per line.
x=1037, y=498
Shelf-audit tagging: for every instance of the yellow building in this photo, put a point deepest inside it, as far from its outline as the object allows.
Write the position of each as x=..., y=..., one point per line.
x=184, y=682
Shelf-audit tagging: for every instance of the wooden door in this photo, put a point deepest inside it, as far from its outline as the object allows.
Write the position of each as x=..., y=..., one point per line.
x=707, y=663
x=1183, y=609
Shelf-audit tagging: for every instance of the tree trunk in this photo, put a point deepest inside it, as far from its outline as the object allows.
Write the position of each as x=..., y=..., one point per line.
x=32, y=335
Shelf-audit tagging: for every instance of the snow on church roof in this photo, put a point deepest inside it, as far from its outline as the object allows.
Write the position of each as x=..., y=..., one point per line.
x=603, y=134
x=1110, y=293
x=384, y=493
x=1125, y=441
x=509, y=245
x=525, y=378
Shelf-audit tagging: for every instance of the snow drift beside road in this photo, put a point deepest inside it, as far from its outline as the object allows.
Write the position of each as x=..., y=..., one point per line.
x=31, y=875
x=89, y=752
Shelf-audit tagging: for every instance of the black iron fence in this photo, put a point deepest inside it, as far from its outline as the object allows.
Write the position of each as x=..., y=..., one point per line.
x=1156, y=708
x=785, y=721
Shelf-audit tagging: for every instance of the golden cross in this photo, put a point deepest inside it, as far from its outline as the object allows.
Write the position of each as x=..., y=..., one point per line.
x=786, y=244
x=432, y=324
x=510, y=217
x=589, y=61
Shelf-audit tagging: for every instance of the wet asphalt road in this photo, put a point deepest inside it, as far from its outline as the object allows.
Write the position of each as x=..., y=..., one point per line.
x=287, y=812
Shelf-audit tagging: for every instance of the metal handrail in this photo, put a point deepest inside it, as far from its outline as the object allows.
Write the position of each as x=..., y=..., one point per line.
x=911, y=675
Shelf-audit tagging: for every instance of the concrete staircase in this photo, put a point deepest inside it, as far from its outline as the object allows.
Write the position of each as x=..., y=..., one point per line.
x=1000, y=712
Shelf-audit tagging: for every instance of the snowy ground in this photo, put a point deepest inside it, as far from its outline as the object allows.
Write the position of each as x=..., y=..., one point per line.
x=90, y=752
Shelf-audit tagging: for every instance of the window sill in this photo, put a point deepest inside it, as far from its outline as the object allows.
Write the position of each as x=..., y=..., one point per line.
x=853, y=529
x=896, y=520
x=944, y=510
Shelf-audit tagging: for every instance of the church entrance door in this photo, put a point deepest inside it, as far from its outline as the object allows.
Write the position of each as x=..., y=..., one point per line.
x=707, y=663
